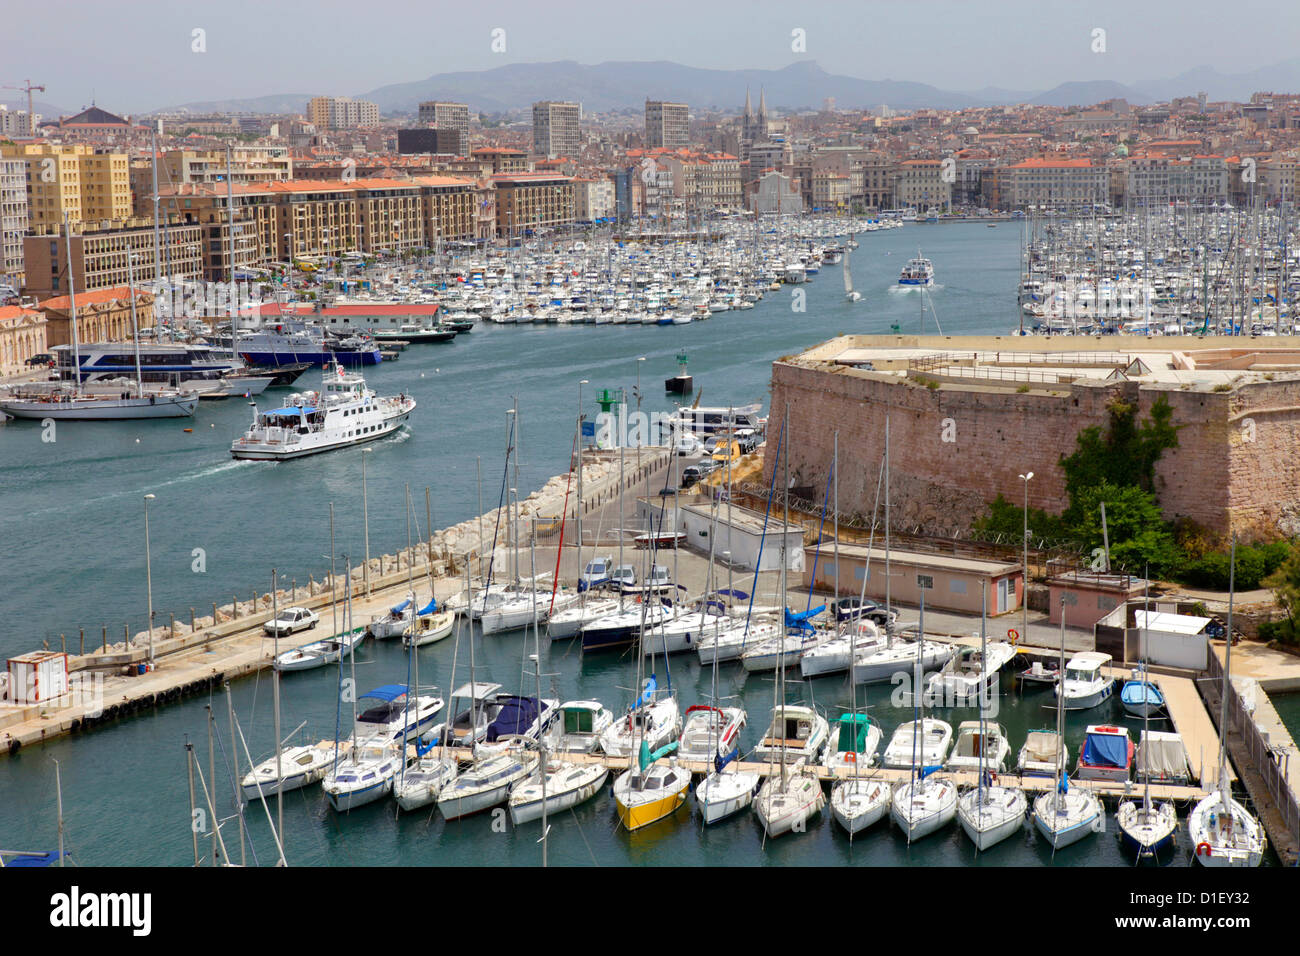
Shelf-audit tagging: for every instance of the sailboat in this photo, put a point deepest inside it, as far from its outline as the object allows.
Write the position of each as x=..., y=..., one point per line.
x=78, y=401
x=848, y=281
x=1223, y=831
x=791, y=795
x=1147, y=829
x=988, y=813
x=1065, y=815
x=926, y=803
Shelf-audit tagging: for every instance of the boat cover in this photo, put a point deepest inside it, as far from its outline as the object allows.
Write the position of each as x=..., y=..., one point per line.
x=34, y=859
x=1141, y=692
x=932, y=768
x=430, y=608
x=1162, y=755
x=645, y=758
x=734, y=593
x=647, y=693
x=399, y=608
x=388, y=692
x=1106, y=750
x=298, y=410
x=799, y=621
x=516, y=716
x=848, y=740
x=1041, y=746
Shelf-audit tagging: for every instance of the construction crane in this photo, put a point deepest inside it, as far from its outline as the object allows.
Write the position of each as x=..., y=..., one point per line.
x=31, y=115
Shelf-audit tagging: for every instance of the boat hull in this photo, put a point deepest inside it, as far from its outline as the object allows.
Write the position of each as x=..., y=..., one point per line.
x=113, y=409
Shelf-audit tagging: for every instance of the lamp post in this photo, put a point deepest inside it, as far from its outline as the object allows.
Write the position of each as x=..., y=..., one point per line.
x=639, y=360
x=365, y=520
x=1024, y=601
x=148, y=572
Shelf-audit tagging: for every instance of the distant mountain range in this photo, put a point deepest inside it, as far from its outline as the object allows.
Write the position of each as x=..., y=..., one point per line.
x=804, y=85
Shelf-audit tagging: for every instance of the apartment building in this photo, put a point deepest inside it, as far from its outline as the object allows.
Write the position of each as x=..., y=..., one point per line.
x=17, y=122
x=593, y=199
x=448, y=208
x=13, y=220
x=529, y=201
x=667, y=125
x=341, y=112
x=922, y=184
x=556, y=129
x=1160, y=179
x=88, y=185
x=501, y=159
x=830, y=190
x=1055, y=182
x=447, y=142
x=246, y=164
x=100, y=253
x=451, y=120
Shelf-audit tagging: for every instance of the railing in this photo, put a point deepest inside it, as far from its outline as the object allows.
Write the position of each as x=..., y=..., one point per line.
x=1270, y=763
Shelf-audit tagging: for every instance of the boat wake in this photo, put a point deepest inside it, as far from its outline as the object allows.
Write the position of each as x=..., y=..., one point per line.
x=905, y=289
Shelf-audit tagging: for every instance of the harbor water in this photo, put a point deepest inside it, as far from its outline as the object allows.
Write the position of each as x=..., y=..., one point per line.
x=73, y=531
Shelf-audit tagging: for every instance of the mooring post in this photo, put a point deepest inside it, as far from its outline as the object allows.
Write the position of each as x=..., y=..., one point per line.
x=82, y=652
x=105, y=635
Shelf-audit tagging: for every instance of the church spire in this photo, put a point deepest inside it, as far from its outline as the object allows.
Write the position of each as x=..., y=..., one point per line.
x=749, y=109
x=762, y=104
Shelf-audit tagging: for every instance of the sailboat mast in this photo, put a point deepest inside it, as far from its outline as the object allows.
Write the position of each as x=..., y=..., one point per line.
x=72, y=304
x=135, y=332
x=275, y=693
x=785, y=538
x=1227, y=670
x=984, y=663
x=1060, y=714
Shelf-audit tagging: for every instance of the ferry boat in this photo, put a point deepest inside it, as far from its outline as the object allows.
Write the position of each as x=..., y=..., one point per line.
x=918, y=271
x=294, y=341
x=344, y=412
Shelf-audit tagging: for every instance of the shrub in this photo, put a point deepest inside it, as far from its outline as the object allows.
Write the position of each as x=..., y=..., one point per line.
x=1282, y=631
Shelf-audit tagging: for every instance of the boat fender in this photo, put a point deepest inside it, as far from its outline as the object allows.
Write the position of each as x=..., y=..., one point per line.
x=850, y=757
x=1205, y=848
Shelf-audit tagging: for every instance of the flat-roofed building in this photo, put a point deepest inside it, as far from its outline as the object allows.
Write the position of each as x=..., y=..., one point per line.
x=103, y=315
x=528, y=201
x=447, y=142
x=74, y=178
x=921, y=184
x=100, y=252
x=502, y=159
x=1055, y=182
x=449, y=117
x=13, y=219
x=667, y=125
x=341, y=112
x=448, y=204
x=556, y=129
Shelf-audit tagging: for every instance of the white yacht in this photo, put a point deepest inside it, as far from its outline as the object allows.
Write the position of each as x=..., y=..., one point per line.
x=726, y=792
x=917, y=272
x=298, y=767
x=969, y=673
x=854, y=744
x=570, y=620
x=979, y=745
x=487, y=782
x=710, y=732
x=837, y=653
x=859, y=802
x=924, y=805
x=396, y=714
x=422, y=781
x=578, y=727
x=344, y=412
x=795, y=732
x=1085, y=685
x=879, y=663
x=657, y=722
x=788, y=799
x=929, y=749
x=1042, y=751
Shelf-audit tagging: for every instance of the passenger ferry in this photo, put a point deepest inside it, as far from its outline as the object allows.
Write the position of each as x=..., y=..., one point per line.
x=709, y=420
x=344, y=412
x=918, y=272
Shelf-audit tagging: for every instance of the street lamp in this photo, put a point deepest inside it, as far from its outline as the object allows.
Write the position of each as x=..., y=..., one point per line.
x=1024, y=601
x=148, y=572
x=640, y=359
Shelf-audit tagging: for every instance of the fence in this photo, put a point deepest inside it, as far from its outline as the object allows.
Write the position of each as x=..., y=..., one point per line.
x=1270, y=763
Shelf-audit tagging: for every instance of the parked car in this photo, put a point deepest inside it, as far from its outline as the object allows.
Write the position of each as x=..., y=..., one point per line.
x=623, y=576
x=292, y=619
x=701, y=469
x=712, y=442
x=688, y=443
x=44, y=358
x=749, y=440
x=596, y=573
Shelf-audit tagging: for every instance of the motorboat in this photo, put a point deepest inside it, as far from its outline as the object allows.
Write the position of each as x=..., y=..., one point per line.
x=578, y=726
x=928, y=749
x=853, y=745
x=1042, y=752
x=565, y=785
x=1140, y=695
x=710, y=732
x=1085, y=685
x=918, y=272
x=1162, y=758
x=518, y=717
x=396, y=714
x=795, y=732
x=470, y=725
x=1107, y=754
x=979, y=744
x=487, y=782
x=343, y=412
x=319, y=653
x=365, y=775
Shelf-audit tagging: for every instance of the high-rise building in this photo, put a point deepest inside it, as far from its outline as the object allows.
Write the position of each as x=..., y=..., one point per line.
x=13, y=220
x=667, y=125
x=341, y=112
x=556, y=129
x=89, y=186
x=446, y=116
x=430, y=140
x=17, y=122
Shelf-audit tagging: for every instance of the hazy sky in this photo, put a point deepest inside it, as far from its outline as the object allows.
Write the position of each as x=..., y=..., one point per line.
x=134, y=55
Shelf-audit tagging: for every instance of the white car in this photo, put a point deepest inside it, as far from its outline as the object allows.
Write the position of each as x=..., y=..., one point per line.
x=688, y=443
x=292, y=619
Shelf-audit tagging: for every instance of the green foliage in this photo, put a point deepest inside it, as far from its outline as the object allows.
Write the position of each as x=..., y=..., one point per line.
x=1008, y=520
x=1283, y=631
x=1125, y=454
x=1139, y=536
x=1255, y=563
x=1285, y=582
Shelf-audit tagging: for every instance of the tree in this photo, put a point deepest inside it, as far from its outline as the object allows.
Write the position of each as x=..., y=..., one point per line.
x=1139, y=536
x=1285, y=582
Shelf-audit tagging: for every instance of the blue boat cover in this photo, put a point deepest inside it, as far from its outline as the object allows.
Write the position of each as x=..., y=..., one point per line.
x=294, y=410
x=399, y=608
x=516, y=716
x=799, y=621
x=1141, y=692
x=926, y=771
x=1105, y=750
x=645, y=758
x=34, y=859
x=647, y=692
x=733, y=592
x=430, y=608
x=389, y=692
